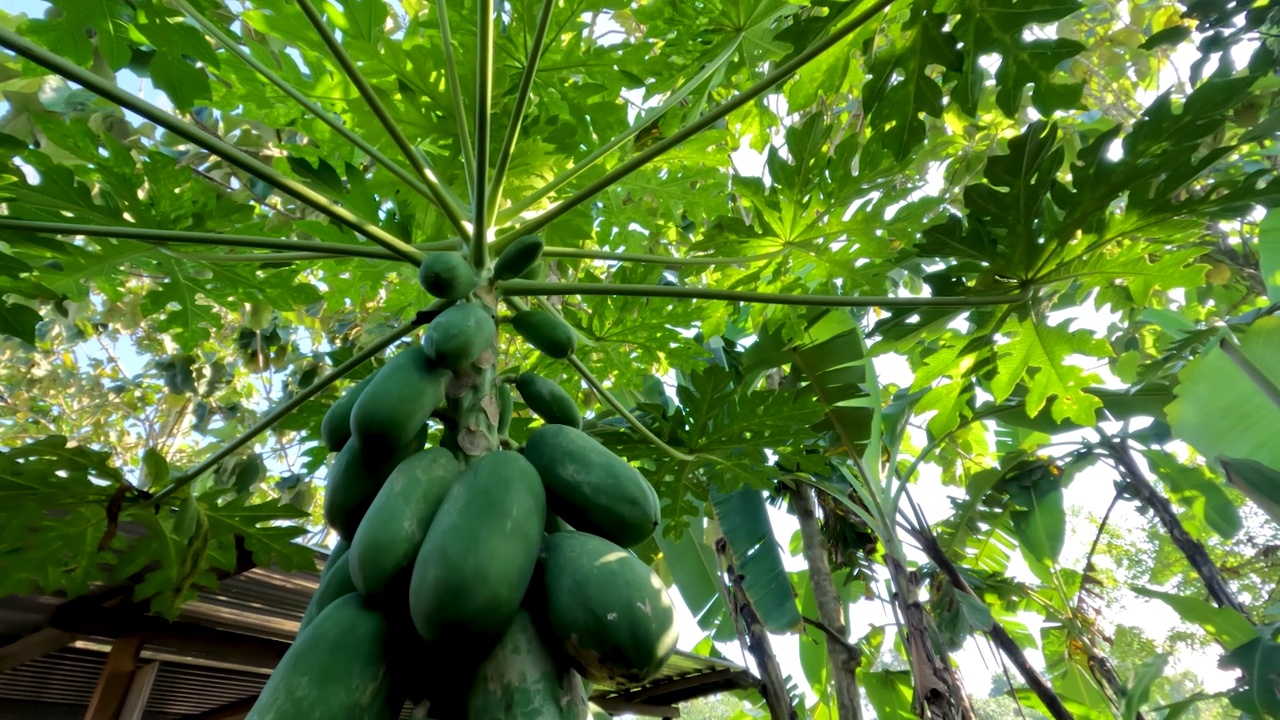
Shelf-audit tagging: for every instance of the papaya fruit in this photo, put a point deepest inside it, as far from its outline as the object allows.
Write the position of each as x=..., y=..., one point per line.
x=548, y=400
x=506, y=406
x=399, y=400
x=355, y=477
x=546, y=332
x=389, y=537
x=340, y=548
x=458, y=336
x=480, y=551
x=518, y=258
x=590, y=488
x=608, y=610
x=335, y=428
x=336, y=670
x=335, y=584
x=447, y=275
x=555, y=524
x=520, y=680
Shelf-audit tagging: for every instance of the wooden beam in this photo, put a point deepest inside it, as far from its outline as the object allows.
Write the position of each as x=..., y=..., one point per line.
x=139, y=692
x=115, y=679
x=234, y=710
x=36, y=645
x=617, y=707
x=181, y=637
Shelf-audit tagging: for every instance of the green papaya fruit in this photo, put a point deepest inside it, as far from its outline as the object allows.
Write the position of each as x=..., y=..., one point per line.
x=458, y=336
x=479, y=553
x=399, y=400
x=355, y=477
x=335, y=428
x=548, y=400
x=520, y=680
x=340, y=548
x=546, y=332
x=518, y=258
x=392, y=530
x=336, y=670
x=555, y=524
x=620, y=631
x=506, y=406
x=592, y=489
x=335, y=583
x=447, y=275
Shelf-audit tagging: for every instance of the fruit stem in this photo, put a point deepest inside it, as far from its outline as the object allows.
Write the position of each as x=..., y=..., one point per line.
x=442, y=199
x=521, y=288
x=599, y=389
x=202, y=139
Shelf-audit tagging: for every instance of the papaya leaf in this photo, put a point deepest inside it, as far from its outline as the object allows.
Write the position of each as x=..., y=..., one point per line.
x=1140, y=689
x=1219, y=411
x=1223, y=624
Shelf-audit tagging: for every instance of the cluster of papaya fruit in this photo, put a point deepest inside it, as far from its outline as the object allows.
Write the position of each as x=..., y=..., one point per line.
x=475, y=578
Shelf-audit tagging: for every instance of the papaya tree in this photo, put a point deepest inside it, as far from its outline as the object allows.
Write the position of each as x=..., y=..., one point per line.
x=538, y=313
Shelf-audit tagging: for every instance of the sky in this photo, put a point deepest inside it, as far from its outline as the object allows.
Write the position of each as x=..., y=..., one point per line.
x=1083, y=496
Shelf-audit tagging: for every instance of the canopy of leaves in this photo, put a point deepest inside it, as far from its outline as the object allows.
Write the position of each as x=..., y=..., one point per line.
x=1076, y=187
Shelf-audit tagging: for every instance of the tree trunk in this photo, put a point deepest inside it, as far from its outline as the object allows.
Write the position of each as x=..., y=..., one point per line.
x=1191, y=549
x=939, y=692
x=774, y=683
x=843, y=657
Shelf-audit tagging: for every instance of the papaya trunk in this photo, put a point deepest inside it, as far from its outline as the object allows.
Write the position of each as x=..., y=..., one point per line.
x=939, y=693
x=474, y=404
x=843, y=658
x=752, y=634
x=1197, y=557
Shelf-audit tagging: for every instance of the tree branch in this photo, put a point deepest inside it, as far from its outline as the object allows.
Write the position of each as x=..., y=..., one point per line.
x=325, y=117
x=641, y=123
x=194, y=135
x=352, y=71
x=517, y=112
x=1197, y=557
x=455, y=89
x=702, y=123
x=276, y=413
x=524, y=288
x=1043, y=690
x=484, y=98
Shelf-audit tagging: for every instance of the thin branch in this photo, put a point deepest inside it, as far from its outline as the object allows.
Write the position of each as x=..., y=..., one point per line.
x=702, y=123
x=276, y=413
x=517, y=112
x=166, y=237
x=352, y=71
x=565, y=252
x=1197, y=557
x=641, y=123
x=455, y=89
x=484, y=98
x=325, y=117
x=1251, y=371
x=1093, y=546
x=521, y=288
x=194, y=135
x=599, y=389
x=1001, y=637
